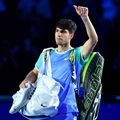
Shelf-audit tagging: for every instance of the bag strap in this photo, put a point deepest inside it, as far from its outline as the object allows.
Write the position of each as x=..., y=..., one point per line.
x=47, y=53
x=72, y=60
x=49, y=50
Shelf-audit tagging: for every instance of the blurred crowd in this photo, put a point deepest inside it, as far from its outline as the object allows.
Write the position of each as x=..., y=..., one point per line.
x=27, y=26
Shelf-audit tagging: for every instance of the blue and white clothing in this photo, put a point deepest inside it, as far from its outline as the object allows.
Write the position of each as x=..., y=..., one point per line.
x=62, y=72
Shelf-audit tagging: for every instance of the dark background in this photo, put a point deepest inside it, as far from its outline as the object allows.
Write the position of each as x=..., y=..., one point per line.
x=27, y=26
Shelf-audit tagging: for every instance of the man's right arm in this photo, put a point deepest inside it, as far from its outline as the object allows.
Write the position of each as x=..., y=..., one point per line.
x=30, y=78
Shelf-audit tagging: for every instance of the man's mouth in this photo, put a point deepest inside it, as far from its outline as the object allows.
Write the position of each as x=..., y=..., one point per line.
x=59, y=39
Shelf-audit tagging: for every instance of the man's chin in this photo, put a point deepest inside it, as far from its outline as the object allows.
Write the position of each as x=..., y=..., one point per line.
x=58, y=43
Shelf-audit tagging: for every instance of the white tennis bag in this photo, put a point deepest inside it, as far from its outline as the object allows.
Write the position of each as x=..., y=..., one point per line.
x=45, y=100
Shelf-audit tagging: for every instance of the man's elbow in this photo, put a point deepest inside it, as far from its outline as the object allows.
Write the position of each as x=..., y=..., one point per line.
x=95, y=39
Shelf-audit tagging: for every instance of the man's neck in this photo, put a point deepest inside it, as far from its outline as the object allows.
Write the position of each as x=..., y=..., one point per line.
x=63, y=48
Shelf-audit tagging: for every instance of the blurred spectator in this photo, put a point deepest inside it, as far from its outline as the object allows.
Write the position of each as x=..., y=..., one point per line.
x=8, y=67
x=2, y=6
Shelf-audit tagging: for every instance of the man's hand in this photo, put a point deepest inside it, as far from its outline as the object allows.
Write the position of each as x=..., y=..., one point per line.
x=81, y=11
x=23, y=84
x=30, y=78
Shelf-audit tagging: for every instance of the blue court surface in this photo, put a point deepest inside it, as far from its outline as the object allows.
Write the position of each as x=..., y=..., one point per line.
x=108, y=111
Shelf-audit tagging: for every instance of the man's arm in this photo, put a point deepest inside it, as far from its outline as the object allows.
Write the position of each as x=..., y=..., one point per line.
x=93, y=38
x=31, y=78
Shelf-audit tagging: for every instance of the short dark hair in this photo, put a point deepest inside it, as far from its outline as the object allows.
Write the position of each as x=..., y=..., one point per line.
x=68, y=24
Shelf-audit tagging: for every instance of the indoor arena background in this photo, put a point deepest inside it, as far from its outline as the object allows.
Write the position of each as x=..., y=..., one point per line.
x=27, y=26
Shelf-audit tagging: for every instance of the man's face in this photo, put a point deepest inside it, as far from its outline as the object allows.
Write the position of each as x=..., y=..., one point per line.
x=62, y=37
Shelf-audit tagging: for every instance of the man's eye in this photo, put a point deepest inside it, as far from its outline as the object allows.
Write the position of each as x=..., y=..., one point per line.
x=56, y=30
x=63, y=31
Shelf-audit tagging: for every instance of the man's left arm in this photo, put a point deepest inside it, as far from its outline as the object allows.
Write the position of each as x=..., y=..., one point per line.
x=93, y=38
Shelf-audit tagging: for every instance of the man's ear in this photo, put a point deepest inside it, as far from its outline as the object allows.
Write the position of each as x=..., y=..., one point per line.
x=71, y=35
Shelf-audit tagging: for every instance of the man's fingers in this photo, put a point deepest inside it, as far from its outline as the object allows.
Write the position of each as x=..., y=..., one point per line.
x=77, y=8
x=74, y=6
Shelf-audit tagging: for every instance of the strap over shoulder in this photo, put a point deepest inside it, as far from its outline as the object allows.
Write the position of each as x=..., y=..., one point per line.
x=47, y=51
